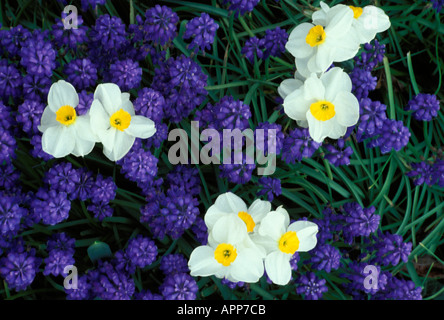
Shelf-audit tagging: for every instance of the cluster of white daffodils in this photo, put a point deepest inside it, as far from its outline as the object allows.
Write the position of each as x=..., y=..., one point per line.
x=244, y=242
x=319, y=96
x=111, y=121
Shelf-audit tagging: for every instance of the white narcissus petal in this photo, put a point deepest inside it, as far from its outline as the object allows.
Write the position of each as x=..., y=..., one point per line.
x=107, y=138
x=99, y=118
x=202, y=262
x=258, y=209
x=82, y=147
x=295, y=105
x=273, y=225
x=248, y=266
x=122, y=145
x=335, y=80
x=302, y=66
x=229, y=229
x=339, y=20
x=296, y=44
x=288, y=86
x=372, y=21
x=319, y=130
x=83, y=128
x=313, y=88
x=306, y=232
x=324, y=57
x=58, y=141
x=337, y=130
x=110, y=96
x=278, y=268
x=231, y=202
x=61, y=94
x=127, y=105
x=141, y=127
x=47, y=120
x=346, y=108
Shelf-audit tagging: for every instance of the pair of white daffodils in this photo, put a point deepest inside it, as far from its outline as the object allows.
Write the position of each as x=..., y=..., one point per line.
x=316, y=98
x=111, y=120
x=244, y=242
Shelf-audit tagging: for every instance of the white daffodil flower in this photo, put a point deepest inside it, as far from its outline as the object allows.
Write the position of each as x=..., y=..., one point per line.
x=226, y=256
x=114, y=122
x=64, y=132
x=316, y=46
x=230, y=204
x=281, y=240
x=326, y=103
x=367, y=22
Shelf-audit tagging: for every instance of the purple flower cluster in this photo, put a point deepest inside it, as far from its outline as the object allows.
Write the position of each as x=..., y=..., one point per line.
x=424, y=107
x=428, y=173
x=338, y=156
x=310, y=286
x=392, y=135
x=297, y=145
x=241, y=6
x=61, y=250
x=271, y=45
x=201, y=30
x=182, y=82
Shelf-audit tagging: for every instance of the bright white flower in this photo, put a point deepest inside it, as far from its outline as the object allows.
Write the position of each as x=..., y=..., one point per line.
x=367, y=22
x=325, y=103
x=226, y=256
x=281, y=240
x=230, y=204
x=114, y=122
x=64, y=132
x=316, y=46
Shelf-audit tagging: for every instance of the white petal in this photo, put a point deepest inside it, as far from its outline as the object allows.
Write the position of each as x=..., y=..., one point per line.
x=339, y=20
x=141, y=127
x=337, y=130
x=122, y=145
x=296, y=44
x=61, y=94
x=110, y=96
x=248, y=266
x=346, y=108
x=83, y=128
x=58, y=141
x=306, y=232
x=229, y=229
x=295, y=105
x=277, y=266
x=127, y=105
x=231, y=202
x=82, y=147
x=313, y=88
x=288, y=86
x=318, y=130
x=202, y=262
x=302, y=66
x=345, y=48
x=335, y=80
x=273, y=225
x=258, y=209
x=48, y=119
x=99, y=118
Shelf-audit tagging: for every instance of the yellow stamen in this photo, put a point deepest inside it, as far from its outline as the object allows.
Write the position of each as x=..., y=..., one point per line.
x=248, y=220
x=315, y=36
x=289, y=242
x=225, y=254
x=322, y=110
x=357, y=11
x=66, y=115
x=120, y=120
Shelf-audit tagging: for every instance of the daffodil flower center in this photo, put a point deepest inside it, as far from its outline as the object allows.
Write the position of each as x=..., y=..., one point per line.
x=322, y=110
x=315, y=36
x=289, y=242
x=225, y=254
x=357, y=11
x=120, y=120
x=248, y=220
x=66, y=115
